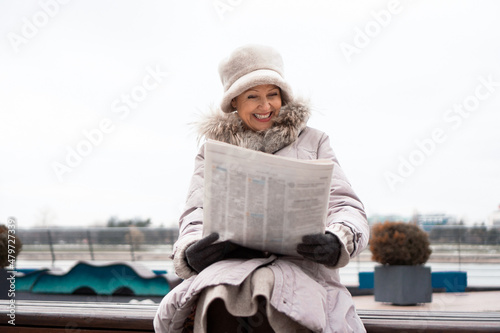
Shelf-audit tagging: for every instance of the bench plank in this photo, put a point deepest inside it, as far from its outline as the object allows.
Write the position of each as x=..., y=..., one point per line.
x=75, y=315
x=98, y=317
x=15, y=329
x=429, y=321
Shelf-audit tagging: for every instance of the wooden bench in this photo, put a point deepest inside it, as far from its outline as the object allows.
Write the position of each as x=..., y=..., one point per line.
x=82, y=317
x=77, y=317
x=382, y=321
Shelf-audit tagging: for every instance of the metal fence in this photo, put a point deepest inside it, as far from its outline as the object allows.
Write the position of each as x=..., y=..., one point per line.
x=140, y=243
x=460, y=234
x=130, y=243
x=456, y=250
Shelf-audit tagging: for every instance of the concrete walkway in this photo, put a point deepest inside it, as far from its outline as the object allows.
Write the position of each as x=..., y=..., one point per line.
x=477, y=301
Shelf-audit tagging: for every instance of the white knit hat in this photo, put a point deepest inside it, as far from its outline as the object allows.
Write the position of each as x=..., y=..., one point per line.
x=249, y=66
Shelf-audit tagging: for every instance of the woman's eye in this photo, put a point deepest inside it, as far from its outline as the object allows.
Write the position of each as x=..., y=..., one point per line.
x=273, y=94
x=251, y=96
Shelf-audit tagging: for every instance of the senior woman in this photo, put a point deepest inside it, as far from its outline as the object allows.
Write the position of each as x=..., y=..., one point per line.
x=229, y=288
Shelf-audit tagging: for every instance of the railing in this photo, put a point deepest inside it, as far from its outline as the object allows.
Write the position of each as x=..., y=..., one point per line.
x=131, y=243
x=153, y=246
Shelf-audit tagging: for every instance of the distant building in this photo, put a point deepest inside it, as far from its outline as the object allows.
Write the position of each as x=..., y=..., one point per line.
x=383, y=218
x=429, y=221
x=494, y=218
x=425, y=221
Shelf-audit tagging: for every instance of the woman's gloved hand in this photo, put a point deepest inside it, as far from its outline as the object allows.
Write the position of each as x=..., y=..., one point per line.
x=320, y=248
x=205, y=252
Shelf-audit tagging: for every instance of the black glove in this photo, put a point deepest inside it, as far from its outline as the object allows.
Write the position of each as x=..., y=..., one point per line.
x=320, y=248
x=205, y=252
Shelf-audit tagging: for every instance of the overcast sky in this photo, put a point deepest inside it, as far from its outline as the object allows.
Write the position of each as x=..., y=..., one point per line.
x=96, y=98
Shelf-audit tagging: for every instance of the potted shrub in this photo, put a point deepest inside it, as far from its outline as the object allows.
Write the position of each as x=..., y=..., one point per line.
x=402, y=249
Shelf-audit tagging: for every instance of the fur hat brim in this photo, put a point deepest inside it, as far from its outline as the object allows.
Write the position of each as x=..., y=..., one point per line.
x=252, y=79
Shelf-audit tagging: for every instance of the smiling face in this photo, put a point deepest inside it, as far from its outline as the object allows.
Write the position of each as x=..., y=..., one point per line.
x=259, y=106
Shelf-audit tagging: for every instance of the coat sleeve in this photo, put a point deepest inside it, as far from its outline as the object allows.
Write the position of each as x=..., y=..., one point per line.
x=346, y=216
x=191, y=220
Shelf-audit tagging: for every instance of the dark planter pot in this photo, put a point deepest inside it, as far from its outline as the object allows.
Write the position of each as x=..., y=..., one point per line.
x=403, y=285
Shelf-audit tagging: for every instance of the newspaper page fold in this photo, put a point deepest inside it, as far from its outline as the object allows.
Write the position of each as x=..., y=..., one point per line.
x=263, y=201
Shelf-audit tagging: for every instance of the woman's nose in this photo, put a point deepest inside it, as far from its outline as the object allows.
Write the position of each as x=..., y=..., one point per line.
x=265, y=105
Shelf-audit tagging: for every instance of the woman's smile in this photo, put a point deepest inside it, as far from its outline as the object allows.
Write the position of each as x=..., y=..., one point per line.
x=263, y=116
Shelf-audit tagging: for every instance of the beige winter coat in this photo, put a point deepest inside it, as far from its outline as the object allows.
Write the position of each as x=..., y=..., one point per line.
x=309, y=293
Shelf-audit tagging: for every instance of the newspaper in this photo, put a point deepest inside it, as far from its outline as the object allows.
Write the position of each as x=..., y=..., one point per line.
x=263, y=201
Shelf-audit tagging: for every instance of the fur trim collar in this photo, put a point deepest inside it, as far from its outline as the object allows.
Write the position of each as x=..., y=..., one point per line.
x=229, y=128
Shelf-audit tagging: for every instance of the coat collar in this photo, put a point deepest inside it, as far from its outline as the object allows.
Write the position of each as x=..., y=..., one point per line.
x=228, y=127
